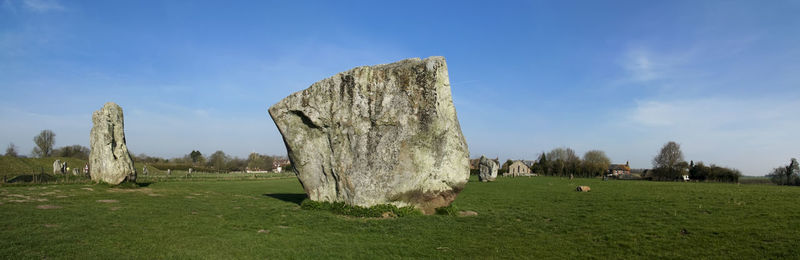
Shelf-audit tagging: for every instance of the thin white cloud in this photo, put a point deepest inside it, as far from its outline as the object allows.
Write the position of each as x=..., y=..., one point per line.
x=642, y=65
x=43, y=6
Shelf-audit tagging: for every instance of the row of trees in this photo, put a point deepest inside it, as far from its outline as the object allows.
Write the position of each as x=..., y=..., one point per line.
x=45, y=142
x=669, y=165
x=564, y=161
x=786, y=175
x=217, y=161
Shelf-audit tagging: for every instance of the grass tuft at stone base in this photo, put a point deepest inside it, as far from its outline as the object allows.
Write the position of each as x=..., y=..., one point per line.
x=450, y=210
x=376, y=211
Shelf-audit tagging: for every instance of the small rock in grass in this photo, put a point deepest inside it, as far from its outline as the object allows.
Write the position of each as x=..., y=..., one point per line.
x=107, y=201
x=265, y=231
x=467, y=213
x=48, y=207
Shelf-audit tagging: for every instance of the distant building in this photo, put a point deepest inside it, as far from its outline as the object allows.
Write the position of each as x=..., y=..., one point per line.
x=529, y=163
x=619, y=169
x=518, y=168
x=279, y=164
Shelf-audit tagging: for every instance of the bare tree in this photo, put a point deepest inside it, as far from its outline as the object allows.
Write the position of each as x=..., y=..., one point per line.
x=669, y=163
x=11, y=150
x=786, y=175
x=260, y=162
x=219, y=160
x=44, y=143
x=595, y=162
x=563, y=161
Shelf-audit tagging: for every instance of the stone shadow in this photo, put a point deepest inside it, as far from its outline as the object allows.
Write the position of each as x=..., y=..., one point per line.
x=295, y=198
x=31, y=178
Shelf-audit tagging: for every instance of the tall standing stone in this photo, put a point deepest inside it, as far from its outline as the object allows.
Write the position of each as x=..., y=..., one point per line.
x=109, y=159
x=488, y=169
x=376, y=135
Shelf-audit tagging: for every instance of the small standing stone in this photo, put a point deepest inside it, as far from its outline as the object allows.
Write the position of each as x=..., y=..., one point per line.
x=169, y=171
x=57, y=167
x=488, y=169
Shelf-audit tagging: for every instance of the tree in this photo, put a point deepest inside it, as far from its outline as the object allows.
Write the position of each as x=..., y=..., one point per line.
x=699, y=171
x=11, y=150
x=74, y=151
x=786, y=175
x=563, y=161
x=218, y=160
x=595, y=163
x=669, y=163
x=44, y=143
x=196, y=157
x=504, y=168
x=543, y=165
x=791, y=172
x=257, y=161
x=236, y=164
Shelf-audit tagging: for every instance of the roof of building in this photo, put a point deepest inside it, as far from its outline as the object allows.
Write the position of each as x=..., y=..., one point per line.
x=622, y=167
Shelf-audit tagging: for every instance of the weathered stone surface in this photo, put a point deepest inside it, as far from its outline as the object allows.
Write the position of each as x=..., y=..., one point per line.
x=109, y=159
x=376, y=135
x=488, y=169
x=57, y=167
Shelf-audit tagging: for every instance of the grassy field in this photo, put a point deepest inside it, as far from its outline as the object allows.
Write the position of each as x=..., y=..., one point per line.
x=13, y=166
x=24, y=168
x=539, y=217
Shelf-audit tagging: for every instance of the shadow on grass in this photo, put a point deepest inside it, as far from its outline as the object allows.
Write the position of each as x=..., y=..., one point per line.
x=30, y=178
x=295, y=198
x=143, y=184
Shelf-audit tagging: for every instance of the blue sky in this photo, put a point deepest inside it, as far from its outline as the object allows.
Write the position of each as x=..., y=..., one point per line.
x=719, y=77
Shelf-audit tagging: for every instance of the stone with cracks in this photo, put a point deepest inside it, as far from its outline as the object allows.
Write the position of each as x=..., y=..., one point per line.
x=488, y=169
x=109, y=158
x=384, y=134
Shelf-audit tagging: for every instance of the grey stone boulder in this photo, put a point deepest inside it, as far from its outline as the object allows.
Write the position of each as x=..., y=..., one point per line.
x=57, y=167
x=384, y=134
x=488, y=169
x=109, y=159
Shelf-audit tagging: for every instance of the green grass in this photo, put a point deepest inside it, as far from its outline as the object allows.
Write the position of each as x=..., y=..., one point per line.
x=14, y=166
x=539, y=217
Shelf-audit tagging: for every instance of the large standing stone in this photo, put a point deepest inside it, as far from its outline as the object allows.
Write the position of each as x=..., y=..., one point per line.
x=488, y=169
x=109, y=158
x=376, y=135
